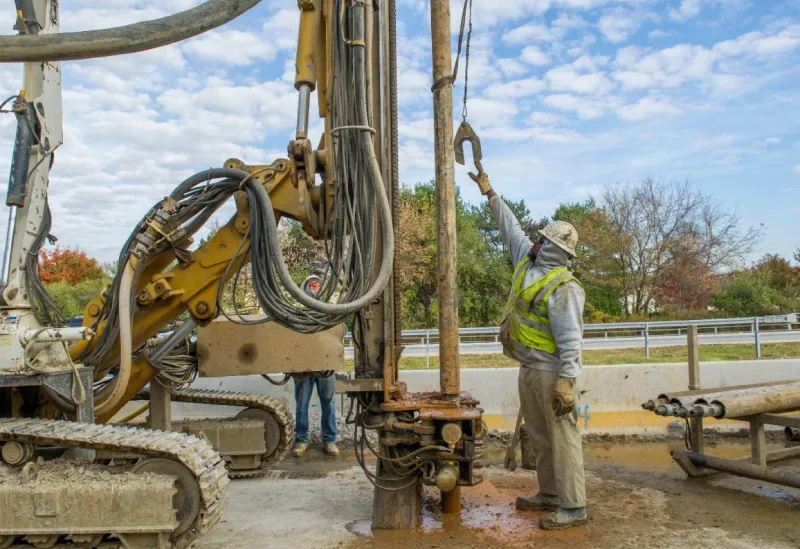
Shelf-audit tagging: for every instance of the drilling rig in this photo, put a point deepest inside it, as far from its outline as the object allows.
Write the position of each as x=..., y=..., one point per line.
x=60, y=388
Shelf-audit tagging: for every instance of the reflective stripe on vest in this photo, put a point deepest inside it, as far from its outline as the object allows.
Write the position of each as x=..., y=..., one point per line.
x=526, y=310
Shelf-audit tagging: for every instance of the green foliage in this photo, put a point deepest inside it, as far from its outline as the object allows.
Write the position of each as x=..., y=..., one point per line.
x=745, y=295
x=483, y=270
x=595, y=265
x=71, y=300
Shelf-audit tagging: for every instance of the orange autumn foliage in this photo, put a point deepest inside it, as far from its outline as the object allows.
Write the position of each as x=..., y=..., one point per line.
x=66, y=265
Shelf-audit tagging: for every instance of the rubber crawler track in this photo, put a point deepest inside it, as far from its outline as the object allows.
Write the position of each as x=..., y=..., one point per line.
x=272, y=406
x=194, y=453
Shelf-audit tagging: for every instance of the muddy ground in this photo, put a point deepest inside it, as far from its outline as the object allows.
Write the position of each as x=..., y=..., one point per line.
x=637, y=499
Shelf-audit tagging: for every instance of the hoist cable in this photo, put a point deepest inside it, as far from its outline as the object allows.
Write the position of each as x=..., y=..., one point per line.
x=466, y=58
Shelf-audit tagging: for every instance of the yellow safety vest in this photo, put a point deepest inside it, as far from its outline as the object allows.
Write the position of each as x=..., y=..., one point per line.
x=526, y=310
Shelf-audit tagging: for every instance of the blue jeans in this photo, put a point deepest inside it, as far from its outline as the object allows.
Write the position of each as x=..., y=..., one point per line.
x=326, y=390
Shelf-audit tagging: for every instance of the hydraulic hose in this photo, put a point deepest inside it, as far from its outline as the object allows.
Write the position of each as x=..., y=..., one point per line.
x=375, y=180
x=137, y=37
x=125, y=340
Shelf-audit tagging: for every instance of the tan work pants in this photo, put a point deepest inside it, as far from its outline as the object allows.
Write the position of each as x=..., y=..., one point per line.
x=557, y=440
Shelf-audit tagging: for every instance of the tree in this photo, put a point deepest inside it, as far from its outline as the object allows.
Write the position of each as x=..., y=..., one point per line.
x=303, y=255
x=68, y=265
x=744, y=295
x=71, y=299
x=797, y=255
x=685, y=281
x=783, y=278
x=651, y=220
x=594, y=265
x=488, y=228
x=484, y=272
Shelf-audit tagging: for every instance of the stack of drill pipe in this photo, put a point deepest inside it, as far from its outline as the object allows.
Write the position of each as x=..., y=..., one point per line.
x=738, y=401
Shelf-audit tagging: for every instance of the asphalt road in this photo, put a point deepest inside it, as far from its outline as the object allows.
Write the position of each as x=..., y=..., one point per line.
x=612, y=343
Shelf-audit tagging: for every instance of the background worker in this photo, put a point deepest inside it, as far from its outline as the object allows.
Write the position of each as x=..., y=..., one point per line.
x=325, y=382
x=542, y=329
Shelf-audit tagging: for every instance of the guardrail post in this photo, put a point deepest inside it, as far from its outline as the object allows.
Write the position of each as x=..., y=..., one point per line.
x=696, y=424
x=647, y=340
x=758, y=337
x=427, y=348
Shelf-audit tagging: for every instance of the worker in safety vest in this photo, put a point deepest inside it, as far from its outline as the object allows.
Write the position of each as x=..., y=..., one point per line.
x=542, y=329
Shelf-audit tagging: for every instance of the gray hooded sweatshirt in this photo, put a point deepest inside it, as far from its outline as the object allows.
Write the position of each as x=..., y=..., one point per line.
x=565, y=306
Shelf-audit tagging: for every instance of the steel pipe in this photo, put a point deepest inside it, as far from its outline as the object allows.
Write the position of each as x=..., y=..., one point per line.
x=747, y=402
x=303, y=103
x=54, y=335
x=782, y=476
x=126, y=39
x=171, y=342
x=449, y=375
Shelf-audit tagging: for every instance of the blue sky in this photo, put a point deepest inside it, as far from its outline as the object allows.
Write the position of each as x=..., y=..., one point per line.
x=568, y=96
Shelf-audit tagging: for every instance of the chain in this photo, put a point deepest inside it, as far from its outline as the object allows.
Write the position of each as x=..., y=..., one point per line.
x=466, y=60
x=450, y=79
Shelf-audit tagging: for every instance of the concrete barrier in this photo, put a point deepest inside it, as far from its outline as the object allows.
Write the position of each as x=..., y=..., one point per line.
x=610, y=395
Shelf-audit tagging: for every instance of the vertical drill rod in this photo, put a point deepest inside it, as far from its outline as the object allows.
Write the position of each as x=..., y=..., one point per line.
x=445, y=197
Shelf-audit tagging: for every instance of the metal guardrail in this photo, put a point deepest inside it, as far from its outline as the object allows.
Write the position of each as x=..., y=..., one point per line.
x=754, y=325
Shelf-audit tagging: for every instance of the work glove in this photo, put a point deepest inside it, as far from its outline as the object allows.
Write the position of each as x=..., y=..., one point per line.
x=482, y=179
x=564, y=396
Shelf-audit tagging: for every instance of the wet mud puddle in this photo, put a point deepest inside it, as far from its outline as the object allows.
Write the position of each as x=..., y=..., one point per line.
x=488, y=514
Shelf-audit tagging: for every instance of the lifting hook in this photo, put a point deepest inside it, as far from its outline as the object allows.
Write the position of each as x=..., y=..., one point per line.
x=466, y=133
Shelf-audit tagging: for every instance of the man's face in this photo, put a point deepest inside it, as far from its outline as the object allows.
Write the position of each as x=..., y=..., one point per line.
x=314, y=287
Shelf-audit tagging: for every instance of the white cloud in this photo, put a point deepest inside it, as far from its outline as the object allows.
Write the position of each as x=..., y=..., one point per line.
x=231, y=46
x=671, y=67
x=619, y=24
x=566, y=78
x=797, y=169
x=515, y=89
x=544, y=118
x=687, y=10
x=726, y=84
x=499, y=11
x=647, y=107
x=532, y=32
x=281, y=29
x=768, y=141
x=419, y=130
x=586, y=108
x=658, y=34
x=534, y=56
x=511, y=67
x=757, y=43
x=413, y=86
x=491, y=112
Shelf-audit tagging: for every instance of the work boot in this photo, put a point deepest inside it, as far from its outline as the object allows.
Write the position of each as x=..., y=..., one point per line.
x=563, y=518
x=539, y=502
x=300, y=449
x=331, y=449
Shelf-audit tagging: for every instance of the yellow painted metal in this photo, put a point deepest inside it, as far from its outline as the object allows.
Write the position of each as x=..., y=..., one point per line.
x=136, y=413
x=307, y=43
x=193, y=285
